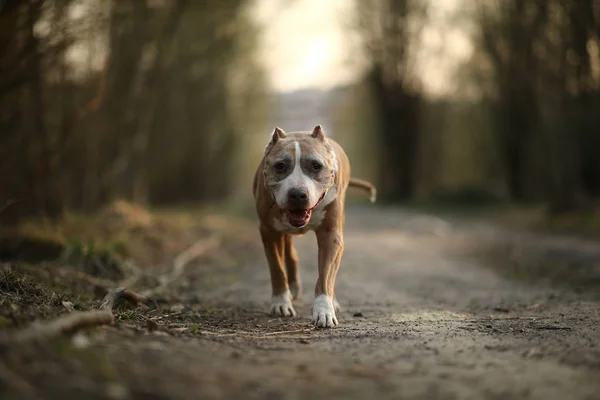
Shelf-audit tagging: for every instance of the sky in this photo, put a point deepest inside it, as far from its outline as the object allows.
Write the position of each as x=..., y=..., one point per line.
x=310, y=44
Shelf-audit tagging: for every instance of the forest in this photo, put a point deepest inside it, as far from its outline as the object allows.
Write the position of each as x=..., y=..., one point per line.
x=141, y=100
x=136, y=100
x=522, y=124
x=131, y=266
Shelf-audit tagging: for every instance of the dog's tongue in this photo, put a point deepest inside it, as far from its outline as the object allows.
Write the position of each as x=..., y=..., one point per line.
x=298, y=218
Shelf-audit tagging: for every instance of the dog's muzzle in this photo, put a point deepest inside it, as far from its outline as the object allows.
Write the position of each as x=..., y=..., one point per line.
x=299, y=217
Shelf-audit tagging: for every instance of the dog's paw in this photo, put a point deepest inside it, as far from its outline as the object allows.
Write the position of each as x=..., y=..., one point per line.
x=281, y=306
x=323, y=312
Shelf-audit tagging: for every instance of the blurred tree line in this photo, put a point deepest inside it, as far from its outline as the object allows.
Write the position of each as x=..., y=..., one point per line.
x=544, y=96
x=527, y=126
x=143, y=100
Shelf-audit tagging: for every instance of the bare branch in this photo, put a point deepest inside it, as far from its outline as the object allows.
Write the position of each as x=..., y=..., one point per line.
x=182, y=260
x=64, y=325
x=114, y=295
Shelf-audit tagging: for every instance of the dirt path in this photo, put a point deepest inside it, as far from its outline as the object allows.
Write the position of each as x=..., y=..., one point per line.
x=420, y=319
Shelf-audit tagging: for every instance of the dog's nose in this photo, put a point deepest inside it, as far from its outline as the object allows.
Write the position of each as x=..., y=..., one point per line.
x=298, y=198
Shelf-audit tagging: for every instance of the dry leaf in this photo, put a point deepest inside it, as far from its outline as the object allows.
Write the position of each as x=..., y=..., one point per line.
x=68, y=306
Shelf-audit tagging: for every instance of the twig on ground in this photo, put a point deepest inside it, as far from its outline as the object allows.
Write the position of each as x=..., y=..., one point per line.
x=196, y=250
x=65, y=325
x=290, y=331
x=193, y=252
x=264, y=336
x=114, y=295
x=136, y=273
x=68, y=306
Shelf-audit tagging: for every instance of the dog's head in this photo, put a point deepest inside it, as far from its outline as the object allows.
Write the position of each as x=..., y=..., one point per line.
x=299, y=169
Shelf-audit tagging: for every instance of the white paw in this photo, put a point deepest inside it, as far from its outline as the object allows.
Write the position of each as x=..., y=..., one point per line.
x=323, y=312
x=281, y=306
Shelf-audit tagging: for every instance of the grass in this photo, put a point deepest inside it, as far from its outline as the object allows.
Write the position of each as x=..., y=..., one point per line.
x=27, y=295
x=46, y=263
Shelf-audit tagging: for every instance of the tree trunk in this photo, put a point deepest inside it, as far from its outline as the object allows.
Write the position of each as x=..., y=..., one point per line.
x=43, y=198
x=399, y=121
x=149, y=96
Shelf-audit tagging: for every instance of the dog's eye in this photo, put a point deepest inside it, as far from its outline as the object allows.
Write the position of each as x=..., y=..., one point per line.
x=316, y=166
x=279, y=166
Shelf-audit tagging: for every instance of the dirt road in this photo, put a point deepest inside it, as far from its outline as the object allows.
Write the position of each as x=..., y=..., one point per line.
x=421, y=318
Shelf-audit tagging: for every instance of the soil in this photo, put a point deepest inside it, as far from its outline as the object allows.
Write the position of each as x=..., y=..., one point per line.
x=432, y=308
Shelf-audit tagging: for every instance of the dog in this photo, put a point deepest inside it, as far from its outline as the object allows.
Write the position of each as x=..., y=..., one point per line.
x=299, y=186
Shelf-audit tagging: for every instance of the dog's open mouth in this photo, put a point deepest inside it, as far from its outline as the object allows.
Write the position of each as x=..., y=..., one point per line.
x=299, y=218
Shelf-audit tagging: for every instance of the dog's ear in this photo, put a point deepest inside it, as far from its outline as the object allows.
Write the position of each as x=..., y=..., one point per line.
x=318, y=133
x=278, y=133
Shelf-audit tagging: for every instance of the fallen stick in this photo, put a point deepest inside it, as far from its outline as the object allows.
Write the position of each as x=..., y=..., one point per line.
x=264, y=336
x=114, y=295
x=75, y=321
x=65, y=325
x=193, y=252
x=136, y=274
x=196, y=250
x=290, y=331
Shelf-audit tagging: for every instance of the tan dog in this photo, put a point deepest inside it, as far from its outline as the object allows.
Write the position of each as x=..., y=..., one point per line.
x=300, y=185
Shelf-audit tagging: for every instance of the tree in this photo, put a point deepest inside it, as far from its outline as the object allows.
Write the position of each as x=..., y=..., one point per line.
x=542, y=56
x=106, y=99
x=390, y=31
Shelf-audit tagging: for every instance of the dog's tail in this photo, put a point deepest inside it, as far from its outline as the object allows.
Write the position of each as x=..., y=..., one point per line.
x=365, y=185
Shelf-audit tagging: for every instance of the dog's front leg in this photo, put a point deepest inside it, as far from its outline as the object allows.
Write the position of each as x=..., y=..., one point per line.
x=331, y=247
x=281, y=300
x=291, y=266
